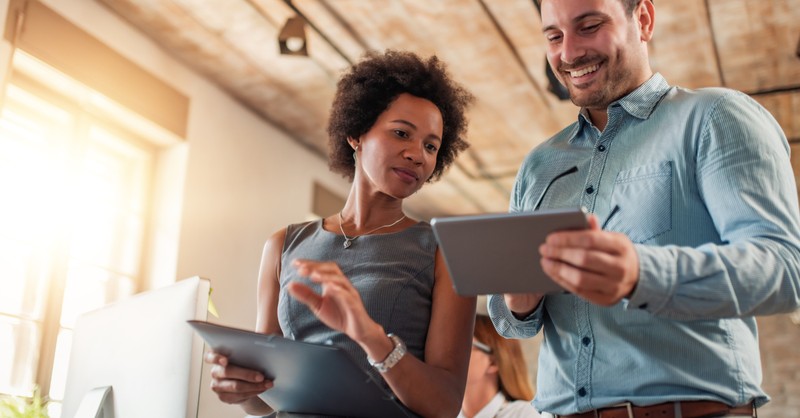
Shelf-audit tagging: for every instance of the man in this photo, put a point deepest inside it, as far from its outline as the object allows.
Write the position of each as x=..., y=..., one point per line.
x=699, y=233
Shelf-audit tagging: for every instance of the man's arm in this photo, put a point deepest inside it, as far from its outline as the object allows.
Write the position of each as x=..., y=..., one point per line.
x=745, y=178
x=509, y=325
x=746, y=182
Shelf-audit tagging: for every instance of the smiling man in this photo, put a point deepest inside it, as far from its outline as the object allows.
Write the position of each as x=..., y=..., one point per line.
x=598, y=54
x=700, y=232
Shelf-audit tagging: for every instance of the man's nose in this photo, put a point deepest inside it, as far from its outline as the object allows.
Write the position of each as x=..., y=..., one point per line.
x=571, y=49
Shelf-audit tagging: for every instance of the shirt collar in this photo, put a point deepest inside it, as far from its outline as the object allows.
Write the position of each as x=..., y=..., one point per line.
x=491, y=409
x=641, y=102
x=638, y=103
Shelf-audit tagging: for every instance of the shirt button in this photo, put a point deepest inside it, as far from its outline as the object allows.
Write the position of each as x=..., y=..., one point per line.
x=582, y=392
x=590, y=190
x=586, y=341
x=601, y=148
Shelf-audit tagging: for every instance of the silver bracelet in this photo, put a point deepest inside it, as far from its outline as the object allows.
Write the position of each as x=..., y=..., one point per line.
x=393, y=358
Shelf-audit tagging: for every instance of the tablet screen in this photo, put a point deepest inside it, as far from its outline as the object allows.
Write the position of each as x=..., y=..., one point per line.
x=499, y=253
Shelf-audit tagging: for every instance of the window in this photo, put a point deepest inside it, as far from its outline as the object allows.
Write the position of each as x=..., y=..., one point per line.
x=76, y=188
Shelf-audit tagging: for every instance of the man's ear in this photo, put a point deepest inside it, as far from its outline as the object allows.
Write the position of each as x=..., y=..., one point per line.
x=646, y=16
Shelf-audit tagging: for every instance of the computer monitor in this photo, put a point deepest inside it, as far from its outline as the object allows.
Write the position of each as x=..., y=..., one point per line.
x=144, y=351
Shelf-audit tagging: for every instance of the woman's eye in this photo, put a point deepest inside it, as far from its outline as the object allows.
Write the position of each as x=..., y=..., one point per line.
x=401, y=133
x=432, y=148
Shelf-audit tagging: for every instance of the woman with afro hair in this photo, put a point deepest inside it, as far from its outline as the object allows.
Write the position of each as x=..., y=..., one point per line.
x=370, y=279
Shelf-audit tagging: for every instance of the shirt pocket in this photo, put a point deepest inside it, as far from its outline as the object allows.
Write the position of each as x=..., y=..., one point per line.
x=644, y=197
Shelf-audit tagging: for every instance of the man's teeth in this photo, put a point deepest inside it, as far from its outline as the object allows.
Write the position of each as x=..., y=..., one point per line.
x=584, y=71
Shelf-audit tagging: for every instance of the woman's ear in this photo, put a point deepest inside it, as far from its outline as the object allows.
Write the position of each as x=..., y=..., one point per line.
x=354, y=143
x=493, y=367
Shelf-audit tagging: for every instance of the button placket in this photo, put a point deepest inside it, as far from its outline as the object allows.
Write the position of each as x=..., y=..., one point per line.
x=602, y=143
x=593, y=178
x=585, y=358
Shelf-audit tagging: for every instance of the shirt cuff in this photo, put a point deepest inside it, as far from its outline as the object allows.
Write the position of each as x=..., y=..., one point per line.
x=508, y=325
x=657, y=280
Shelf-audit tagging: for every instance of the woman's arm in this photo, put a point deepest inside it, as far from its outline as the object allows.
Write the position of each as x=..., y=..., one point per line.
x=238, y=385
x=433, y=388
x=269, y=285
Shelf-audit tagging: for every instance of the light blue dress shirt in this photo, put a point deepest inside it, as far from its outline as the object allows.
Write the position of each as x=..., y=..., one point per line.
x=705, y=190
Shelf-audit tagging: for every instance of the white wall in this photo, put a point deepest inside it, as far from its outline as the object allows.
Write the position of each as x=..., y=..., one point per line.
x=5, y=50
x=244, y=180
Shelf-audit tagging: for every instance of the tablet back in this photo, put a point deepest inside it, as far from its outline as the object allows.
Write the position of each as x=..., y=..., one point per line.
x=499, y=253
x=309, y=378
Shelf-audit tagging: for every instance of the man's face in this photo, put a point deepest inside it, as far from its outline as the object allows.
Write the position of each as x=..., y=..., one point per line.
x=596, y=49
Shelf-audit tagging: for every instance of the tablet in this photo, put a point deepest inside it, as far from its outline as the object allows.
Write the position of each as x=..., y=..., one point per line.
x=308, y=378
x=499, y=253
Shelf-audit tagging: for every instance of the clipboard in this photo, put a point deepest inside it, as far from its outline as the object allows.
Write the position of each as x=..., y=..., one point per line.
x=308, y=378
x=499, y=253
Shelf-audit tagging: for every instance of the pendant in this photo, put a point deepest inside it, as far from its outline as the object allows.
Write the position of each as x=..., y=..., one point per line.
x=347, y=243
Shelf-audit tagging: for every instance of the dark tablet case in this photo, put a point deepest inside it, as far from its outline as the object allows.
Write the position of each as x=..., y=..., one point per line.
x=309, y=378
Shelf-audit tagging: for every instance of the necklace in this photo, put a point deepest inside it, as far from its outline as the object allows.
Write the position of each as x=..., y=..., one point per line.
x=348, y=241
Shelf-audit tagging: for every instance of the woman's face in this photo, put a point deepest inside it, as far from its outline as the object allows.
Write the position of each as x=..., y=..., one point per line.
x=480, y=363
x=398, y=154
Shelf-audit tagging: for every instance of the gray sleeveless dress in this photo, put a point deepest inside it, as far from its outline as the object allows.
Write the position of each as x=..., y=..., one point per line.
x=392, y=272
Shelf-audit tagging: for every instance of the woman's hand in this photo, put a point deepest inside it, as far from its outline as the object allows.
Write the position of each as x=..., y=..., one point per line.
x=339, y=306
x=233, y=384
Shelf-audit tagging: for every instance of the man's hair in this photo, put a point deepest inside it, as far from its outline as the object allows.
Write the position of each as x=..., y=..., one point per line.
x=371, y=85
x=630, y=5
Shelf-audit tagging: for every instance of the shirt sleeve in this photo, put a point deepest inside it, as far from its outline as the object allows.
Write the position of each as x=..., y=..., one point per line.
x=745, y=179
x=509, y=326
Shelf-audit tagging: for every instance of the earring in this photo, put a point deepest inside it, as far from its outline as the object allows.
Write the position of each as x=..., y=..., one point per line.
x=355, y=158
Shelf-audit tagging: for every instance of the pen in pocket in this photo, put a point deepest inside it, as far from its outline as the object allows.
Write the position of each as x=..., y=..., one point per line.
x=610, y=215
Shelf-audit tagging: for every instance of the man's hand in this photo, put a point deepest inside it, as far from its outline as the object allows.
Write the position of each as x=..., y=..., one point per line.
x=599, y=266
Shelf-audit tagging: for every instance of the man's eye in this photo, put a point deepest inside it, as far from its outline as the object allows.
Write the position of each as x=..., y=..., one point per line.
x=401, y=133
x=591, y=28
x=553, y=38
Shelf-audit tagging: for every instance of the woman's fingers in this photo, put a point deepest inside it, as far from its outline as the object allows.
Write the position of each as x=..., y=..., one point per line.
x=305, y=265
x=320, y=271
x=213, y=357
x=315, y=301
x=236, y=391
x=234, y=384
x=305, y=295
x=338, y=305
x=237, y=373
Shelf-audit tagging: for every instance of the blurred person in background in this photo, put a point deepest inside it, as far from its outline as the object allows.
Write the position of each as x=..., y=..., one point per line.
x=498, y=384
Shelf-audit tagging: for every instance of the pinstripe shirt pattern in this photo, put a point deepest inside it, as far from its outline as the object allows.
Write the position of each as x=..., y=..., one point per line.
x=705, y=190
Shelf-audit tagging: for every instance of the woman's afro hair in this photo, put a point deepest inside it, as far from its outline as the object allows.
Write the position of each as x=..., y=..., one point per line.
x=372, y=84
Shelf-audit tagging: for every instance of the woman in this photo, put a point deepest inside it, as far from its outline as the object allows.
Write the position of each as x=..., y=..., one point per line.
x=396, y=122
x=497, y=382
